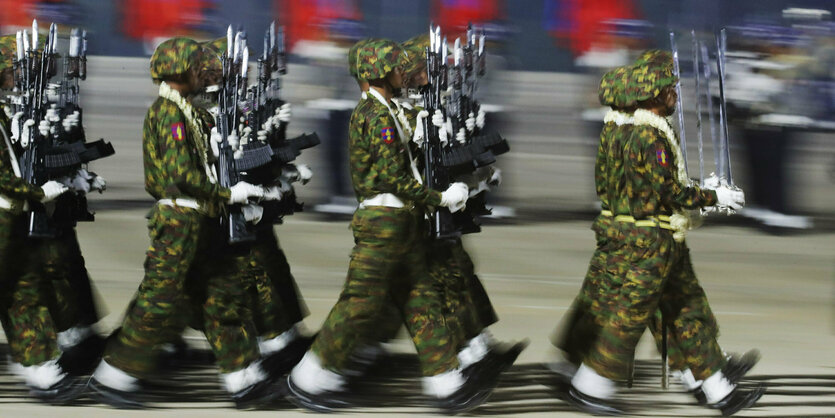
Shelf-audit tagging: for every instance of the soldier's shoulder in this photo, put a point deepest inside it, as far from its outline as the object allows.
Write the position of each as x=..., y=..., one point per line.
x=372, y=112
x=163, y=110
x=645, y=135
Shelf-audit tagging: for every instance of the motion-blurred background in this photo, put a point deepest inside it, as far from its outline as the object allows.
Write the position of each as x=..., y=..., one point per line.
x=546, y=57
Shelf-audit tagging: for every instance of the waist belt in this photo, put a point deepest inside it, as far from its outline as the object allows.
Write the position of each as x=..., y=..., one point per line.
x=382, y=199
x=5, y=203
x=185, y=203
x=661, y=221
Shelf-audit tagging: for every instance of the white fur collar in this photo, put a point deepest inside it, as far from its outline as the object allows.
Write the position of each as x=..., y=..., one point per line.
x=618, y=117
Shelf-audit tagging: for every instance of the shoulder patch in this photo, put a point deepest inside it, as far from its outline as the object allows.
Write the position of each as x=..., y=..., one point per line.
x=387, y=134
x=178, y=131
x=662, y=157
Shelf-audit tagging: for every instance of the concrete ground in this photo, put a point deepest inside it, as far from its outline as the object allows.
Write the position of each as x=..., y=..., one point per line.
x=774, y=293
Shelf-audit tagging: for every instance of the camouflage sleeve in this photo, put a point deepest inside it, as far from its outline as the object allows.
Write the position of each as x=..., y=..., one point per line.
x=11, y=185
x=391, y=163
x=655, y=185
x=600, y=162
x=180, y=159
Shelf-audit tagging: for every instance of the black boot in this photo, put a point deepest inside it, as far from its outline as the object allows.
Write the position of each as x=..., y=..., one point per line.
x=82, y=358
x=281, y=362
x=592, y=405
x=325, y=402
x=259, y=395
x=65, y=391
x=738, y=366
x=739, y=399
x=114, y=397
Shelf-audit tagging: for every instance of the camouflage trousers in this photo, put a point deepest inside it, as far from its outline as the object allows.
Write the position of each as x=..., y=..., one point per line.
x=466, y=305
x=387, y=267
x=24, y=292
x=646, y=272
x=161, y=309
x=279, y=303
x=73, y=303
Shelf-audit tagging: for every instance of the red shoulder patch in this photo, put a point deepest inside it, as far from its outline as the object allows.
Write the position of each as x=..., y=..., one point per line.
x=178, y=131
x=387, y=134
x=662, y=157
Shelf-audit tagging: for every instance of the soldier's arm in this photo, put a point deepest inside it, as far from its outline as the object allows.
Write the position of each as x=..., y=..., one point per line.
x=11, y=185
x=181, y=161
x=600, y=160
x=658, y=166
x=391, y=162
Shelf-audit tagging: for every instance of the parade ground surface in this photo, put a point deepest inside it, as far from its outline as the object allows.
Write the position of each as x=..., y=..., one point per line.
x=774, y=292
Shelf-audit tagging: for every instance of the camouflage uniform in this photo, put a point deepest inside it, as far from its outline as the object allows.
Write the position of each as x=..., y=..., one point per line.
x=175, y=157
x=646, y=269
x=388, y=260
x=24, y=309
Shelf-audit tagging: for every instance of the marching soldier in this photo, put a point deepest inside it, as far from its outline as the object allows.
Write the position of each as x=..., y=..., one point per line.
x=648, y=266
x=182, y=224
x=388, y=260
x=24, y=290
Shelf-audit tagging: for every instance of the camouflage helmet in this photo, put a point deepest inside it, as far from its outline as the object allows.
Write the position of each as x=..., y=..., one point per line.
x=174, y=57
x=211, y=67
x=378, y=57
x=415, y=49
x=650, y=73
x=8, y=49
x=612, y=89
x=352, y=56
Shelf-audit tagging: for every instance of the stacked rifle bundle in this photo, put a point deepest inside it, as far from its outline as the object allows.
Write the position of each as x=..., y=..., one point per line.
x=703, y=72
x=49, y=120
x=254, y=146
x=452, y=89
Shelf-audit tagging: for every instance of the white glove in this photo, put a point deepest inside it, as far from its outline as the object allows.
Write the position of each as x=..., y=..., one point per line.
x=419, y=135
x=233, y=140
x=305, y=173
x=284, y=113
x=98, y=184
x=273, y=193
x=731, y=198
x=480, y=118
x=242, y=191
x=711, y=182
x=81, y=181
x=455, y=197
x=25, y=132
x=252, y=213
x=216, y=138
x=438, y=119
x=43, y=127
x=51, y=190
x=470, y=122
x=16, y=126
x=461, y=136
x=495, y=177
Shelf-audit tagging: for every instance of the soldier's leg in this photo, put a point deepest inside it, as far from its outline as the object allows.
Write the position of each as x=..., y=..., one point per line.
x=269, y=255
x=158, y=313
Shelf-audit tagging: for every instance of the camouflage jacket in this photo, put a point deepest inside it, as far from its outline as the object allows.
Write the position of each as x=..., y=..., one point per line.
x=600, y=162
x=173, y=166
x=12, y=186
x=640, y=176
x=378, y=159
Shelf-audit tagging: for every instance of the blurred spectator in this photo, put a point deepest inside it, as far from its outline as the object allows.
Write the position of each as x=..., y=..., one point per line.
x=586, y=27
x=320, y=29
x=151, y=20
x=19, y=13
x=453, y=16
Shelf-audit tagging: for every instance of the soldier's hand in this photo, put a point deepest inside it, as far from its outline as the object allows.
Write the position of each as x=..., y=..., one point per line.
x=420, y=135
x=242, y=191
x=305, y=173
x=98, y=184
x=438, y=119
x=711, y=182
x=731, y=198
x=470, y=122
x=495, y=177
x=51, y=190
x=461, y=136
x=273, y=193
x=480, y=118
x=252, y=213
x=284, y=113
x=81, y=181
x=455, y=197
